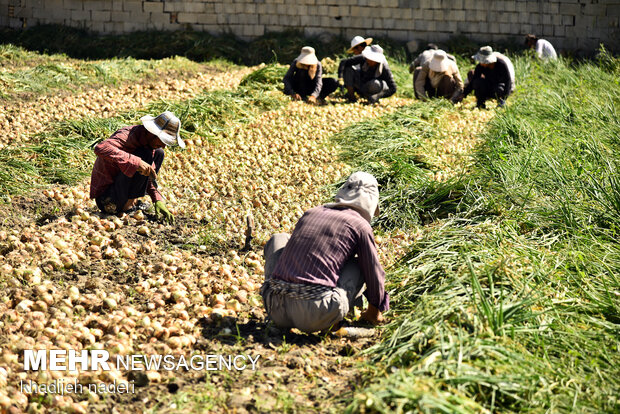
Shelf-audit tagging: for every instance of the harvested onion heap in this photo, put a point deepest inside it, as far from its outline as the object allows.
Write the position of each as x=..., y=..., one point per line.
x=24, y=120
x=274, y=168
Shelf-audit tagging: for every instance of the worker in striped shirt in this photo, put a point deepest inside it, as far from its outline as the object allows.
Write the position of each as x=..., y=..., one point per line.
x=315, y=276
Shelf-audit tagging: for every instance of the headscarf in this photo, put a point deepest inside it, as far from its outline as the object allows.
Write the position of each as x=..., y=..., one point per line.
x=361, y=193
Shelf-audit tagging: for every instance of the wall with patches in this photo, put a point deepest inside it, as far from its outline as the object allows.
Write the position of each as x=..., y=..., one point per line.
x=576, y=25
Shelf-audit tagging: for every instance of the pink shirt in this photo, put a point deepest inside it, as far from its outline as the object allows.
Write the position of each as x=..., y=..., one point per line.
x=115, y=155
x=324, y=239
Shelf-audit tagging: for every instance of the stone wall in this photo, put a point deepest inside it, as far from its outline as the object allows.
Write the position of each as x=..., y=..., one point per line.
x=569, y=24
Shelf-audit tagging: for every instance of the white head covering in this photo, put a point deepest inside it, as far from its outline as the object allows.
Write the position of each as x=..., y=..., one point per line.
x=358, y=40
x=374, y=53
x=166, y=127
x=485, y=55
x=439, y=62
x=361, y=193
x=307, y=56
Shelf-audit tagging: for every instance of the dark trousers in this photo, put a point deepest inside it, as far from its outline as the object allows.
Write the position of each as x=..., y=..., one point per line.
x=304, y=87
x=366, y=87
x=485, y=89
x=446, y=87
x=115, y=197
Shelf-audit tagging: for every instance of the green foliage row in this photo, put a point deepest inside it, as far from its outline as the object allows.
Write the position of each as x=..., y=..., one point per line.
x=511, y=302
x=63, y=155
x=389, y=148
x=28, y=73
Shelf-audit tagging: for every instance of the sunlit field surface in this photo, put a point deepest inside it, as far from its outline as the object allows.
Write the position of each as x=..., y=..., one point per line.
x=498, y=231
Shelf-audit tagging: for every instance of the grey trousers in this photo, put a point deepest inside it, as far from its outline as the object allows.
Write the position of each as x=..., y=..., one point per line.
x=311, y=315
x=352, y=77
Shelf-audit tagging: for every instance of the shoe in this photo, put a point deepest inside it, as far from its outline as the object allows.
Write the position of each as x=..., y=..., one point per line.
x=140, y=205
x=143, y=205
x=501, y=103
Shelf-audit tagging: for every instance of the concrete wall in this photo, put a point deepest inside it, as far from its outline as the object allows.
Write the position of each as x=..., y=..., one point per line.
x=569, y=24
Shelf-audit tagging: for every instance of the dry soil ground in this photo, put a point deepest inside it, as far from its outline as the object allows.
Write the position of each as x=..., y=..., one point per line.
x=74, y=279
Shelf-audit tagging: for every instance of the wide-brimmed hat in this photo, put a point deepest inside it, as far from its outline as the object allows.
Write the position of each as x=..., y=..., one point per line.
x=485, y=55
x=439, y=62
x=166, y=127
x=358, y=40
x=307, y=56
x=374, y=53
x=361, y=193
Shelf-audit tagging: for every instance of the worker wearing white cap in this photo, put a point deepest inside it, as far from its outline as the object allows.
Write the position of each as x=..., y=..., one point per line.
x=304, y=79
x=314, y=277
x=373, y=80
x=128, y=162
x=493, y=77
x=438, y=77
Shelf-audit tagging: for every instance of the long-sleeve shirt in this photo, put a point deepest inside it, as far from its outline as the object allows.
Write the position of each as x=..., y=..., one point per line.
x=367, y=73
x=115, y=155
x=425, y=57
x=298, y=80
x=545, y=50
x=324, y=239
x=435, y=78
x=511, y=69
x=499, y=74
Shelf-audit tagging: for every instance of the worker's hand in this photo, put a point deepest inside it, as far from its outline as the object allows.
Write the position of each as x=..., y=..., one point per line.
x=458, y=98
x=296, y=97
x=145, y=169
x=341, y=84
x=162, y=210
x=373, y=315
x=312, y=99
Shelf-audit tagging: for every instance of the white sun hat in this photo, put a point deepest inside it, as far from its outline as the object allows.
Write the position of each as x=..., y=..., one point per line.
x=307, y=56
x=166, y=127
x=358, y=40
x=439, y=62
x=485, y=55
x=361, y=193
x=374, y=53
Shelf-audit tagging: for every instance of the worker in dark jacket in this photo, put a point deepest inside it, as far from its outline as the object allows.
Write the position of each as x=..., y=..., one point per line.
x=493, y=77
x=367, y=75
x=304, y=79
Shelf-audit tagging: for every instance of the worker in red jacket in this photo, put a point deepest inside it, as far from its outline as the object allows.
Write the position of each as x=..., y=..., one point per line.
x=128, y=163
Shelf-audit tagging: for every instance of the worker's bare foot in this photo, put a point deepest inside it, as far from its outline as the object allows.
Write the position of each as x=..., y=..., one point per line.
x=129, y=204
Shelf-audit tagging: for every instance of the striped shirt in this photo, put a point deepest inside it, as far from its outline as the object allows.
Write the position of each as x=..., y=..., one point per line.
x=115, y=155
x=324, y=239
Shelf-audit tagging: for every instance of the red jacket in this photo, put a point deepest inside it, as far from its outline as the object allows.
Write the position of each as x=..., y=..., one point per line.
x=115, y=155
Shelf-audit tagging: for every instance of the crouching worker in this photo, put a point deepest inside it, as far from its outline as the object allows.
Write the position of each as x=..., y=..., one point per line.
x=368, y=75
x=128, y=162
x=438, y=77
x=304, y=79
x=493, y=77
x=315, y=276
